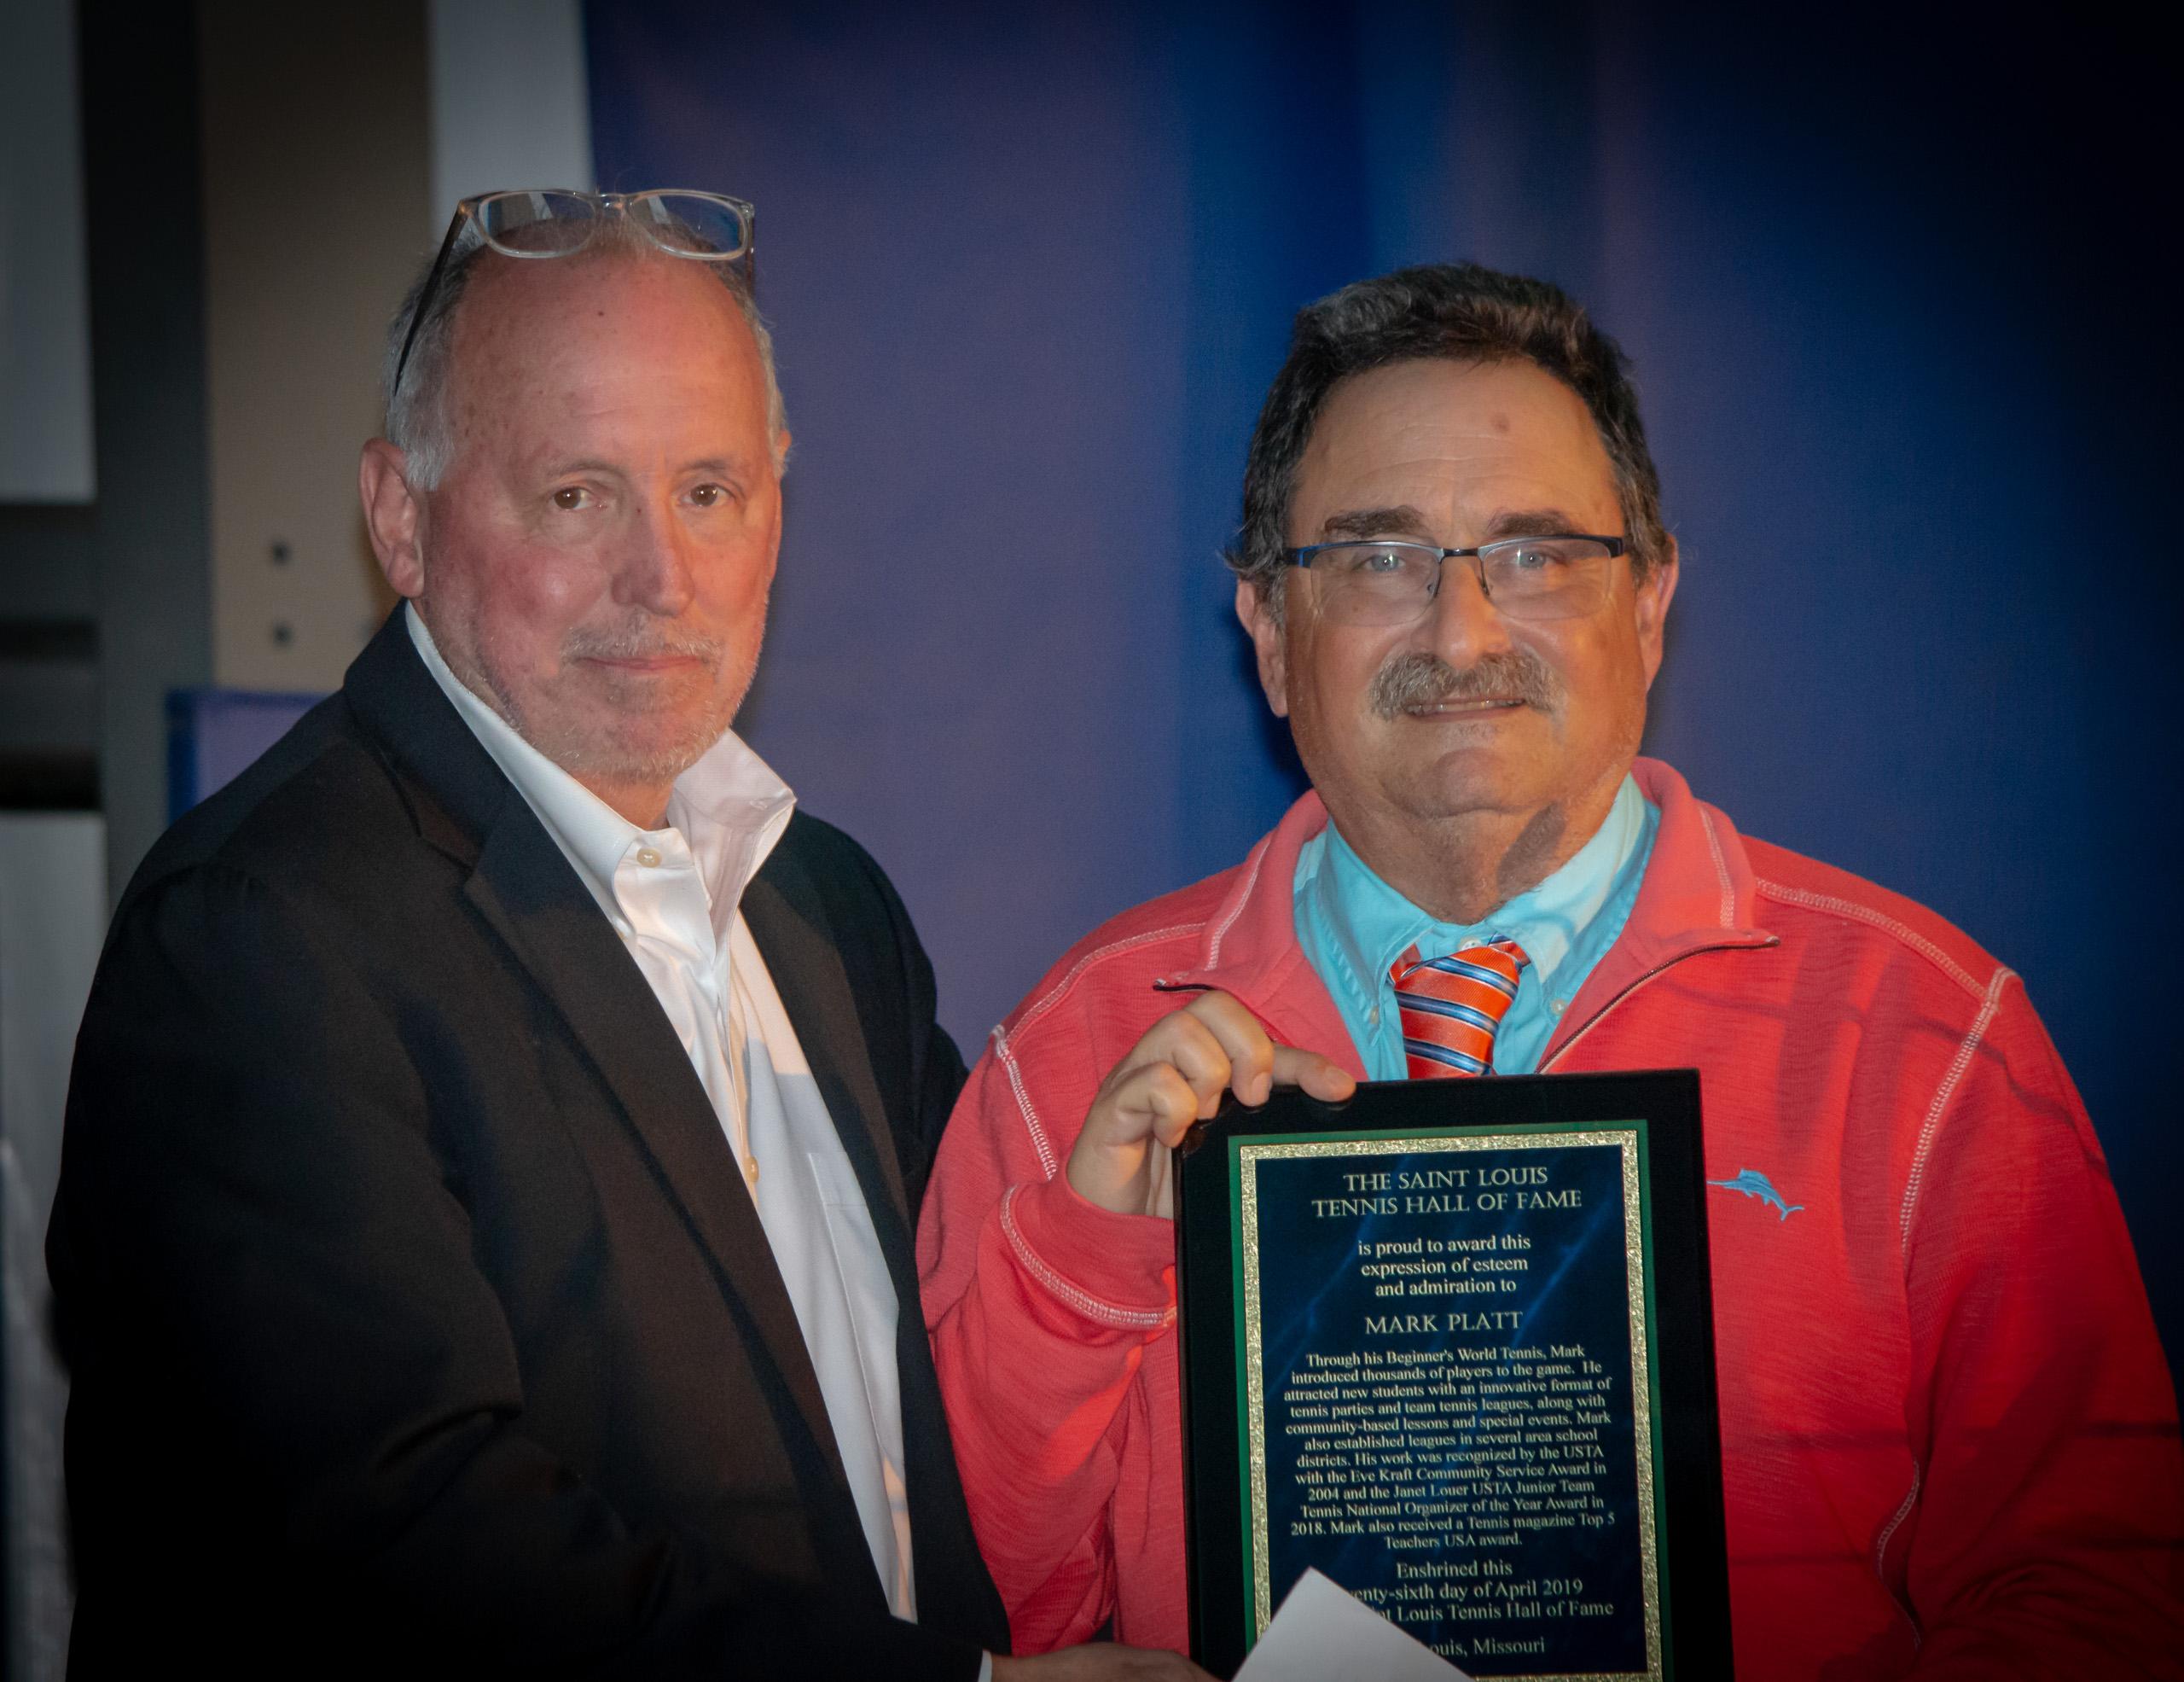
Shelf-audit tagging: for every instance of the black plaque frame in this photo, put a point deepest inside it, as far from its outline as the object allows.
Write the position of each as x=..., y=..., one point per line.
x=1691, y=1545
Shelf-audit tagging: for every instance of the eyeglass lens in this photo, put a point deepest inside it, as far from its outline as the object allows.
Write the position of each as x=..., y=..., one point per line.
x=1530, y=578
x=693, y=224
x=544, y=223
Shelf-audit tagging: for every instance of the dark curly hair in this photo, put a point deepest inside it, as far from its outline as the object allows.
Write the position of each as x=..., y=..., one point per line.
x=1457, y=313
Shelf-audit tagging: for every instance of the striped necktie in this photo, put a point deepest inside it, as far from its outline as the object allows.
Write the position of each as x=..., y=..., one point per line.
x=1450, y=1006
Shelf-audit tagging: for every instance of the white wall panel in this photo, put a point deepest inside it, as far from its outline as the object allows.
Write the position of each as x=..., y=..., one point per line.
x=509, y=101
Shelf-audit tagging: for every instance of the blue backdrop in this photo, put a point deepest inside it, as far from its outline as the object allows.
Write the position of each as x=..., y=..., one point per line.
x=1887, y=285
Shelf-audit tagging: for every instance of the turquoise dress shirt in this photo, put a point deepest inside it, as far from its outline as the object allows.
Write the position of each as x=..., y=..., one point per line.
x=1353, y=927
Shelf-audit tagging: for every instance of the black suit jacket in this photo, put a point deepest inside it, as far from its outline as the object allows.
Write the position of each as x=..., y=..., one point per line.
x=416, y=1314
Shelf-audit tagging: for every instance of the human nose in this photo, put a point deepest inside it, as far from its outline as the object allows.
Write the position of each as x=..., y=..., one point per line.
x=1461, y=623
x=656, y=572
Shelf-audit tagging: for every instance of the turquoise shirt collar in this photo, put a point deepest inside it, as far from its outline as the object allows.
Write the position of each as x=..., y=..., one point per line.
x=1353, y=926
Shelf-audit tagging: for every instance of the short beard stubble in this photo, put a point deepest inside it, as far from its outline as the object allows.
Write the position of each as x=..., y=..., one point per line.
x=585, y=747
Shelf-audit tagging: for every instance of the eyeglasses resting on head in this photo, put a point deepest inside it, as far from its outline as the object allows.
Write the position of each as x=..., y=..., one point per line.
x=542, y=222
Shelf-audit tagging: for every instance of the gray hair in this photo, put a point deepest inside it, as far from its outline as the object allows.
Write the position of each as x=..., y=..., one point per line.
x=1452, y=311
x=416, y=415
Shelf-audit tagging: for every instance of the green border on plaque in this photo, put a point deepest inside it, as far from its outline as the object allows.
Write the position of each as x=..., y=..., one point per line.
x=1245, y=1152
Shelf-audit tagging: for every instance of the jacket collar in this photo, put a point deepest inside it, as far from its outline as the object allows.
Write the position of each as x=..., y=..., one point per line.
x=455, y=792
x=1698, y=895
x=729, y=807
x=1249, y=947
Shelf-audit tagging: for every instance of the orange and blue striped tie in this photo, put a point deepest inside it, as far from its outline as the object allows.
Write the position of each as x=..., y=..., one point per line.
x=1451, y=1006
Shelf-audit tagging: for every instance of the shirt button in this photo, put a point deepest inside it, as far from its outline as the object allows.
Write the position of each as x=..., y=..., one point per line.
x=1373, y=1017
x=648, y=857
x=1558, y=1006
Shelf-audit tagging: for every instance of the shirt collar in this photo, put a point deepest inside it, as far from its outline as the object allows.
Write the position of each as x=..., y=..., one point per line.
x=729, y=807
x=1374, y=925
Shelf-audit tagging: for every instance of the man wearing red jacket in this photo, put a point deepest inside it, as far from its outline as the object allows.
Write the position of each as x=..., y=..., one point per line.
x=1949, y=1437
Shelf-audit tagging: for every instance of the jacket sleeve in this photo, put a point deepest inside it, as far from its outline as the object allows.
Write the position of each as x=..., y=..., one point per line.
x=298, y=1431
x=1041, y=1306
x=2045, y=1535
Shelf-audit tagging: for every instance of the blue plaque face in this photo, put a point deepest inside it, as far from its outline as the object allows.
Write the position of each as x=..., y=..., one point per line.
x=1447, y=1404
x=1450, y=1343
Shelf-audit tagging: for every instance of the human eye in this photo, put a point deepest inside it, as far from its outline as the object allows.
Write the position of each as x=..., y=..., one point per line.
x=574, y=499
x=1535, y=556
x=1371, y=559
x=711, y=495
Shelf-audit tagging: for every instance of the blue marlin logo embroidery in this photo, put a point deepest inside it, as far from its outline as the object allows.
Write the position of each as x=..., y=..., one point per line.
x=1753, y=1184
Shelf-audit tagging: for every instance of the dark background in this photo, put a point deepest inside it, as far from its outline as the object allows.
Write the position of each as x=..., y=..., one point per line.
x=1898, y=290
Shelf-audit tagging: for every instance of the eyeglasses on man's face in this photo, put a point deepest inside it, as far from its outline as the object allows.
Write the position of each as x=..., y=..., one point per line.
x=544, y=222
x=1388, y=581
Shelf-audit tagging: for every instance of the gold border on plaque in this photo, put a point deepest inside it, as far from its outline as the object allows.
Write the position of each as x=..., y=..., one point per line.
x=1250, y=1154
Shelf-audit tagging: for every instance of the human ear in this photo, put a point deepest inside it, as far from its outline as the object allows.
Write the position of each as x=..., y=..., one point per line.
x=1654, y=596
x=1256, y=615
x=393, y=513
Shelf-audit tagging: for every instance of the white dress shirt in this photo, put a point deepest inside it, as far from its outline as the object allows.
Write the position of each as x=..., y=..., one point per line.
x=673, y=894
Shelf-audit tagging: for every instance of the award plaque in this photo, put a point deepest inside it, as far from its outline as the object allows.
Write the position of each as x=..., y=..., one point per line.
x=1450, y=1343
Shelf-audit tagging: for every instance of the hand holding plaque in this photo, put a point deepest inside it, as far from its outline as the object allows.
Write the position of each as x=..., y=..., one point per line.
x=1174, y=1078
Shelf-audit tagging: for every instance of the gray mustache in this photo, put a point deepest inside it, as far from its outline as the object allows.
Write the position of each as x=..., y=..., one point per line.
x=636, y=643
x=1421, y=679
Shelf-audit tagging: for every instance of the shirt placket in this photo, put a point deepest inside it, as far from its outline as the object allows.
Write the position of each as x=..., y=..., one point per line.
x=662, y=893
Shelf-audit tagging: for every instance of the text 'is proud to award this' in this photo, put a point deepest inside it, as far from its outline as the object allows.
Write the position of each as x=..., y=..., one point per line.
x=1450, y=1343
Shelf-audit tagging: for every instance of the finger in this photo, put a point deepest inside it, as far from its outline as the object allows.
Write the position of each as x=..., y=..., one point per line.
x=1323, y=1077
x=1151, y=1102
x=1174, y=1103
x=1199, y=1053
x=1243, y=1041
x=1183, y=1041
x=1107, y=1164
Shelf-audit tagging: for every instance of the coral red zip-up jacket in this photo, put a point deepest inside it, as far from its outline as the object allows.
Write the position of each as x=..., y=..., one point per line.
x=1949, y=1438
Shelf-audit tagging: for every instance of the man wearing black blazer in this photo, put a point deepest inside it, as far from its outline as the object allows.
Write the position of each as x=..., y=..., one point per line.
x=414, y=1254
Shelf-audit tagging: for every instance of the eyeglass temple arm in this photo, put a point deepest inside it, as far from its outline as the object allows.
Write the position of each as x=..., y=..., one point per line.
x=424, y=299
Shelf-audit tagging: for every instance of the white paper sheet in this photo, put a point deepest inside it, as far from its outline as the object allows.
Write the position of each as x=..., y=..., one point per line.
x=1322, y=1634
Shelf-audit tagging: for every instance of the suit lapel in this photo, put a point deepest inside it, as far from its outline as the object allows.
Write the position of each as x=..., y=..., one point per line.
x=525, y=890
x=789, y=925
